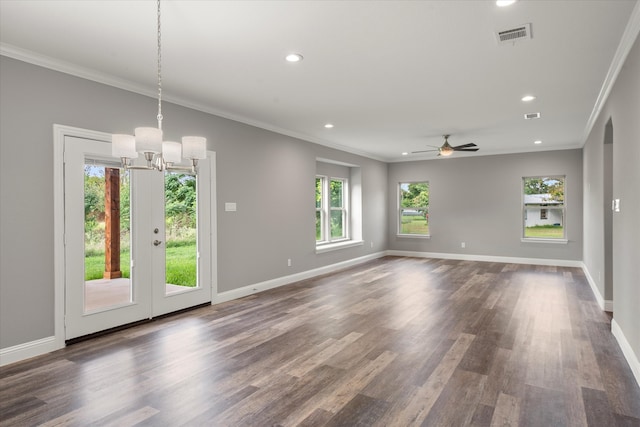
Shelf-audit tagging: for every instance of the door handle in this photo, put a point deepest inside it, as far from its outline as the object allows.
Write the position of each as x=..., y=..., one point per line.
x=156, y=242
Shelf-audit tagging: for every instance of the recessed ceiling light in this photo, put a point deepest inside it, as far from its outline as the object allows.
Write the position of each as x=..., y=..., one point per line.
x=528, y=98
x=293, y=57
x=503, y=3
x=329, y=125
x=537, y=142
x=405, y=153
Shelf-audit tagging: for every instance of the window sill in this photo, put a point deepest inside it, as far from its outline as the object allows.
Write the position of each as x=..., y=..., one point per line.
x=320, y=249
x=534, y=240
x=414, y=236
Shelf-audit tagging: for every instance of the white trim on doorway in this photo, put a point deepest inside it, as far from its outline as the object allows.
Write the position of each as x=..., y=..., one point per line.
x=55, y=342
x=59, y=134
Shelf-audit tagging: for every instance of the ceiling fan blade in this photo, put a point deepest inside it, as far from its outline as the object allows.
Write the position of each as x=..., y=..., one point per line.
x=466, y=149
x=471, y=144
x=423, y=151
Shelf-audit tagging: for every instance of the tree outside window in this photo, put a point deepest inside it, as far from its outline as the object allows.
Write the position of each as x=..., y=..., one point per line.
x=319, y=209
x=331, y=209
x=413, y=212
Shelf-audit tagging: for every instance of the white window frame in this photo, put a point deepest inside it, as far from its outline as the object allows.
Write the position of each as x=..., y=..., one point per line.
x=326, y=209
x=321, y=209
x=399, y=232
x=549, y=208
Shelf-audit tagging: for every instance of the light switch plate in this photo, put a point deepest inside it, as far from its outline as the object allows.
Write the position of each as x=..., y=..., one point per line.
x=230, y=207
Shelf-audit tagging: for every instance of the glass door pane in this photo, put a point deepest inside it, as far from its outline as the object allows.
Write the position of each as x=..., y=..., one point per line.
x=181, y=252
x=107, y=281
x=100, y=290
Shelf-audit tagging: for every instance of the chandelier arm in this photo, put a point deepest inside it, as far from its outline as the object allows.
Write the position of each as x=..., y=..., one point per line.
x=190, y=169
x=127, y=165
x=141, y=168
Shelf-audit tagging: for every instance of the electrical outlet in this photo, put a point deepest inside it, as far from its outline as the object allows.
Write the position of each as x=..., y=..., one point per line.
x=372, y=244
x=289, y=262
x=463, y=245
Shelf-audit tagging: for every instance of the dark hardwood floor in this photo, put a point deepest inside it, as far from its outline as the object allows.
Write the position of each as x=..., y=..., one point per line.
x=393, y=342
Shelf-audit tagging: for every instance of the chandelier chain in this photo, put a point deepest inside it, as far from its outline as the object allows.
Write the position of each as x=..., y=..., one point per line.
x=159, y=155
x=159, y=70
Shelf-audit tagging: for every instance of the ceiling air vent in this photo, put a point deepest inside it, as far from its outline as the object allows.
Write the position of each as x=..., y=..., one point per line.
x=530, y=116
x=523, y=32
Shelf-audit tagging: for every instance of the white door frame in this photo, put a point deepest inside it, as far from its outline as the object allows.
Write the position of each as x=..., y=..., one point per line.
x=59, y=134
x=77, y=321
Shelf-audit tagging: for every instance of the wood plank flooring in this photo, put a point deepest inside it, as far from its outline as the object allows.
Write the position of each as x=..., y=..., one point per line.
x=393, y=342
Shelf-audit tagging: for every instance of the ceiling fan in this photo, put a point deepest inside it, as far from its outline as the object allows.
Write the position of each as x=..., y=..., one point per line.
x=446, y=149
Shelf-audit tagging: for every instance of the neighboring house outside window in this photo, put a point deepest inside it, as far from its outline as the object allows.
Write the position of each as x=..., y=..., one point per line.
x=544, y=207
x=413, y=209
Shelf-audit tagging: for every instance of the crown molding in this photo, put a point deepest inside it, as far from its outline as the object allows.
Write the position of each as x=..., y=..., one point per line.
x=72, y=69
x=626, y=43
x=104, y=78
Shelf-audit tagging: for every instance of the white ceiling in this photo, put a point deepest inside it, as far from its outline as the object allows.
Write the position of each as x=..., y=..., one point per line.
x=392, y=76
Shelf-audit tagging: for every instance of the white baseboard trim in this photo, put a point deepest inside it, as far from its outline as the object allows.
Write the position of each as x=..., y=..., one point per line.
x=28, y=350
x=488, y=258
x=286, y=280
x=605, y=304
x=594, y=289
x=631, y=357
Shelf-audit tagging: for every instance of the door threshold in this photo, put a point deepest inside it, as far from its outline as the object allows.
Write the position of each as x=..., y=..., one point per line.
x=131, y=325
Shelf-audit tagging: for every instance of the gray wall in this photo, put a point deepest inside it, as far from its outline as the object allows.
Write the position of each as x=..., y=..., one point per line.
x=623, y=109
x=270, y=177
x=477, y=200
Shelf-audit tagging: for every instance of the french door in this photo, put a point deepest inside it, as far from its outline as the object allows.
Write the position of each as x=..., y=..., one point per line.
x=137, y=243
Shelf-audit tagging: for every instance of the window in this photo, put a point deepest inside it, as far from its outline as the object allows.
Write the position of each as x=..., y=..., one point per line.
x=543, y=207
x=319, y=208
x=331, y=209
x=413, y=208
x=338, y=205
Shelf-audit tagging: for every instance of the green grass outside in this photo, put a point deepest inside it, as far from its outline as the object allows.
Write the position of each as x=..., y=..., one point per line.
x=544, y=232
x=181, y=264
x=414, y=224
x=94, y=264
x=180, y=259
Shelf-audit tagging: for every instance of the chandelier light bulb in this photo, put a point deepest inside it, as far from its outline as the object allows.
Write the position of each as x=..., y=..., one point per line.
x=123, y=146
x=194, y=147
x=172, y=152
x=148, y=140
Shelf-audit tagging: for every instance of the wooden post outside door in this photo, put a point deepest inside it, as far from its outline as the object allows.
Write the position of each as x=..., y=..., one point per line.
x=112, y=223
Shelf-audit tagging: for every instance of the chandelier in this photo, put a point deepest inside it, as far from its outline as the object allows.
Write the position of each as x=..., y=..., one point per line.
x=160, y=155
